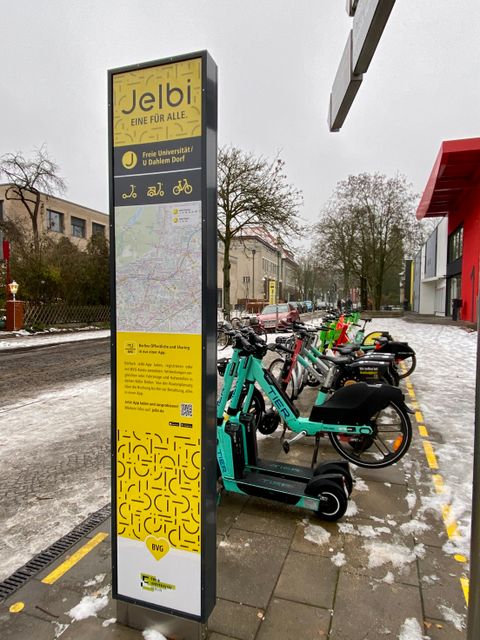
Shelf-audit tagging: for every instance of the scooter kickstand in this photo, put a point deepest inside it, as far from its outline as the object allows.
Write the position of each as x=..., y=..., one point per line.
x=286, y=444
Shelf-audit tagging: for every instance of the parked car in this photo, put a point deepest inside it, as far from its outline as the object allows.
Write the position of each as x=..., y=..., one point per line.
x=309, y=305
x=287, y=314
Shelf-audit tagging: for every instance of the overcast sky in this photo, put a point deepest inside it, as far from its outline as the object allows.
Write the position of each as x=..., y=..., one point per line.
x=277, y=60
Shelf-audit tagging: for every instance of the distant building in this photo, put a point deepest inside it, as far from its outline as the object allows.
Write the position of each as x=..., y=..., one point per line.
x=57, y=218
x=445, y=273
x=256, y=258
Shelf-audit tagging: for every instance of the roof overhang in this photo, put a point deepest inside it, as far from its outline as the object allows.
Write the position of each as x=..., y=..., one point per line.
x=456, y=168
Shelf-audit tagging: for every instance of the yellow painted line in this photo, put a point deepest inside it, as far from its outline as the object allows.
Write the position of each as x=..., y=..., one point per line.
x=431, y=457
x=411, y=393
x=465, y=588
x=419, y=416
x=409, y=385
x=438, y=482
x=415, y=405
x=422, y=430
x=459, y=558
x=74, y=558
x=450, y=523
x=16, y=607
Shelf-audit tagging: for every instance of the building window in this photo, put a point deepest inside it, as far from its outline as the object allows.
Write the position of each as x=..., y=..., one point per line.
x=78, y=227
x=455, y=245
x=269, y=267
x=55, y=221
x=98, y=229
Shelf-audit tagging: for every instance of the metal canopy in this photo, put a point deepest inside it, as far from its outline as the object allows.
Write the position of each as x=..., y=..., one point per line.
x=456, y=169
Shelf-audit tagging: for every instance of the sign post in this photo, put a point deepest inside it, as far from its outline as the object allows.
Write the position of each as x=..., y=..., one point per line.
x=162, y=145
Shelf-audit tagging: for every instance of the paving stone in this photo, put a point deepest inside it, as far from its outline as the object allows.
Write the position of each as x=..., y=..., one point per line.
x=442, y=630
x=369, y=548
x=231, y=505
x=440, y=580
x=238, y=620
x=371, y=612
x=248, y=566
x=394, y=474
x=273, y=518
x=218, y=636
x=19, y=626
x=286, y=620
x=383, y=500
x=308, y=579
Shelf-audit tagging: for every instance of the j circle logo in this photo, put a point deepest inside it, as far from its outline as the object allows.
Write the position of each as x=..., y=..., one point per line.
x=129, y=159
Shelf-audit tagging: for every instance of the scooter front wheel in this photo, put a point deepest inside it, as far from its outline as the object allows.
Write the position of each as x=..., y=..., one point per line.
x=333, y=502
x=390, y=440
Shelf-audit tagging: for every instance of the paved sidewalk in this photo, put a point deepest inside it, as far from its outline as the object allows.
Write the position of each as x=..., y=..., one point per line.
x=377, y=574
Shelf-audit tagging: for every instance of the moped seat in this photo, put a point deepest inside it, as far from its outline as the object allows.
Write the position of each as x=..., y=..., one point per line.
x=355, y=404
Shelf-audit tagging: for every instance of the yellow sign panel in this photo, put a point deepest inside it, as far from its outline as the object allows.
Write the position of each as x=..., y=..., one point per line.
x=157, y=104
x=158, y=440
x=272, y=292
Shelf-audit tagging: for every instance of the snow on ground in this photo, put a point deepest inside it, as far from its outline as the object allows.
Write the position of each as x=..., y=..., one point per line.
x=21, y=339
x=444, y=384
x=51, y=420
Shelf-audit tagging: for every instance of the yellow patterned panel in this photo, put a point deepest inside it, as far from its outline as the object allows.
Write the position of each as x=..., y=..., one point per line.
x=157, y=103
x=158, y=440
x=158, y=488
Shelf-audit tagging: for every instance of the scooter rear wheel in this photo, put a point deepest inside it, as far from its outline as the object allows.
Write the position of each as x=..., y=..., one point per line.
x=392, y=434
x=407, y=366
x=333, y=502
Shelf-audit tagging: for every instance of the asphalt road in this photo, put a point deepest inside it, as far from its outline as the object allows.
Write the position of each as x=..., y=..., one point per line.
x=54, y=444
x=43, y=368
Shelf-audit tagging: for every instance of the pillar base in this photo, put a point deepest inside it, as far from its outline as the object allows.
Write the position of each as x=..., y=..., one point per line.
x=172, y=627
x=14, y=315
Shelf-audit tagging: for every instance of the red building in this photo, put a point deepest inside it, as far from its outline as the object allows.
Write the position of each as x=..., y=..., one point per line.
x=453, y=190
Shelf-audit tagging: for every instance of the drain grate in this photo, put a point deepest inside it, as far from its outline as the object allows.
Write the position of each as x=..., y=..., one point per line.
x=44, y=558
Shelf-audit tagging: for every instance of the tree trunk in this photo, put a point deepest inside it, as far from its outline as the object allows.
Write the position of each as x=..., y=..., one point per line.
x=226, y=275
x=363, y=293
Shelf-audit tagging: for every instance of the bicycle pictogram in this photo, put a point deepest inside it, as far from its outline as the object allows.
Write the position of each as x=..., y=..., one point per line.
x=182, y=186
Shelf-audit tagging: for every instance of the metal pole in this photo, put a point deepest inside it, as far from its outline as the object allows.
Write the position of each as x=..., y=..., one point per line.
x=278, y=286
x=473, y=624
x=254, y=251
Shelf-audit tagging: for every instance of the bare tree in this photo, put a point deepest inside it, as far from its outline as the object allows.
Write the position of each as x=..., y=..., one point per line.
x=367, y=228
x=252, y=191
x=28, y=179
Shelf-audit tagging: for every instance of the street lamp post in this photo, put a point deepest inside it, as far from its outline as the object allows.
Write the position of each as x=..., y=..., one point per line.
x=254, y=251
x=277, y=296
x=13, y=288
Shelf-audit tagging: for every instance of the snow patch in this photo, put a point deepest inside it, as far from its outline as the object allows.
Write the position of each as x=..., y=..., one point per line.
x=352, y=509
x=94, y=581
x=87, y=607
x=411, y=630
x=381, y=553
x=450, y=615
x=107, y=623
x=414, y=527
x=361, y=485
x=338, y=559
x=316, y=534
x=152, y=634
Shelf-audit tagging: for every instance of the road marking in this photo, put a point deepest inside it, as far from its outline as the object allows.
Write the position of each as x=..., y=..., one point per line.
x=430, y=454
x=74, y=558
x=422, y=430
x=449, y=521
x=438, y=482
x=16, y=607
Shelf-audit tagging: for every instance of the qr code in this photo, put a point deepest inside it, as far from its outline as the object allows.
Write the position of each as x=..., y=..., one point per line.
x=186, y=410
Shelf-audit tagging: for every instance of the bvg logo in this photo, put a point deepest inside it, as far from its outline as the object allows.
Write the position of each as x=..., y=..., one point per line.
x=166, y=96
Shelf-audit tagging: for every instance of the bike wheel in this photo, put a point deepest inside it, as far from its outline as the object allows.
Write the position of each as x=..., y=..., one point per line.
x=257, y=405
x=276, y=369
x=260, y=331
x=223, y=339
x=236, y=323
x=333, y=502
x=407, y=366
x=392, y=434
